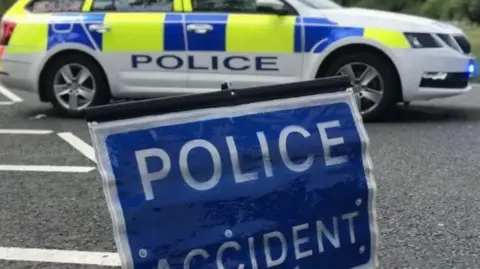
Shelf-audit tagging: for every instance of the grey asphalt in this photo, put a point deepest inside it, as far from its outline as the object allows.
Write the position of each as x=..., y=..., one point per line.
x=425, y=160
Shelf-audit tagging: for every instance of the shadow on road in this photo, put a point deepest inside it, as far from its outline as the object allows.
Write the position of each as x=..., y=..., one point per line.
x=44, y=112
x=412, y=114
x=429, y=113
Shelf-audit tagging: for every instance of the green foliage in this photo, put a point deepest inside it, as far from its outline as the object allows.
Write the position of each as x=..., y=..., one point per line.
x=5, y=4
x=473, y=10
x=459, y=10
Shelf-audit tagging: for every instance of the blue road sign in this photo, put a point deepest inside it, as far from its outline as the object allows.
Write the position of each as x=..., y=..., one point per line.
x=274, y=184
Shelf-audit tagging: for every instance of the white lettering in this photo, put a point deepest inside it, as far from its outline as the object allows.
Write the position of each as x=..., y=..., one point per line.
x=217, y=165
x=350, y=217
x=237, y=170
x=274, y=246
x=163, y=264
x=267, y=162
x=327, y=143
x=147, y=177
x=223, y=247
x=268, y=253
x=193, y=253
x=298, y=241
x=282, y=144
x=291, y=161
x=251, y=250
x=334, y=239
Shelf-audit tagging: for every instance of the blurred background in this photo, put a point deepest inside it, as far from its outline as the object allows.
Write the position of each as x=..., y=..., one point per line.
x=4, y=4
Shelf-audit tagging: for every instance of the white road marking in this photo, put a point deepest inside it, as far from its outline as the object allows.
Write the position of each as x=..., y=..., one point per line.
x=6, y=103
x=25, y=131
x=46, y=168
x=60, y=256
x=79, y=145
x=10, y=95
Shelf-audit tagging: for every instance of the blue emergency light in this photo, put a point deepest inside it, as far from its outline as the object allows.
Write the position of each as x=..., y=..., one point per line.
x=472, y=68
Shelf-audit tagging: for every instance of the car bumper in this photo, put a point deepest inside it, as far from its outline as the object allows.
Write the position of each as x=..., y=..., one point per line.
x=433, y=73
x=18, y=72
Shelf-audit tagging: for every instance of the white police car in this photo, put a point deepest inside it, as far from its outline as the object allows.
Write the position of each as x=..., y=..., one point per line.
x=80, y=53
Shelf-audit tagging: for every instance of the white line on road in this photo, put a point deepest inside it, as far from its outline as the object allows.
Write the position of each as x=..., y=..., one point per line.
x=79, y=145
x=60, y=256
x=46, y=168
x=6, y=103
x=25, y=131
x=10, y=95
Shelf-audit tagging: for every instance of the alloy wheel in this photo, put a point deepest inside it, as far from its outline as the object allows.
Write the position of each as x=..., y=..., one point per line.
x=367, y=85
x=74, y=87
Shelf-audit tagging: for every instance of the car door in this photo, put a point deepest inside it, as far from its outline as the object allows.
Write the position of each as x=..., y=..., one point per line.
x=228, y=40
x=143, y=43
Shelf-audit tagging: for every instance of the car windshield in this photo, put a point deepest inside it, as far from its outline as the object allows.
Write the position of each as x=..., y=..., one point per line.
x=321, y=4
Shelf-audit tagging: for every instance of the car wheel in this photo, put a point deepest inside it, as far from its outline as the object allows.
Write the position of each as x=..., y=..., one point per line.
x=75, y=82
x=374, y=83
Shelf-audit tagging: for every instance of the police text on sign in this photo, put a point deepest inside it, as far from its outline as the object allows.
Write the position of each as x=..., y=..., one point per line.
x=239, y=176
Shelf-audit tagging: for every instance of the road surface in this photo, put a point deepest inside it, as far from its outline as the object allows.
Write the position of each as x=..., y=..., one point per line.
x=426, y=166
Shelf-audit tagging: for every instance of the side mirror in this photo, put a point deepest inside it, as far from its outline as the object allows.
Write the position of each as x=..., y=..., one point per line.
x=272, y=6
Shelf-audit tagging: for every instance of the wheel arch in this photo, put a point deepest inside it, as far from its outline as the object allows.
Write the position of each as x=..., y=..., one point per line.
x=59, y=53
x=343, y=49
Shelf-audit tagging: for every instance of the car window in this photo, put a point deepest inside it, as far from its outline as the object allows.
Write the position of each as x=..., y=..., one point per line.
x=133, y=5
x=235, y=6
x=55, y=5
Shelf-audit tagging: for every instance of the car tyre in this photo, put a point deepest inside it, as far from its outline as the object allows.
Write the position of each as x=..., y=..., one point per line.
x=387, y=79
x=84, y=73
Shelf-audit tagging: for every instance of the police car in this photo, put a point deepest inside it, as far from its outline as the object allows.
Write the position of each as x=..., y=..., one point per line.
x=81, y=53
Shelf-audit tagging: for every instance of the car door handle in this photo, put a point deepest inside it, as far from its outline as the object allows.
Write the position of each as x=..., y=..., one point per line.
x=199, y=28
x=99, y=28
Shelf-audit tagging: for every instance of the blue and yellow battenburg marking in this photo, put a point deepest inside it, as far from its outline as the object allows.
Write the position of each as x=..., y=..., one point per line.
x=235, y=33
x=70, y=28
x=155, y=32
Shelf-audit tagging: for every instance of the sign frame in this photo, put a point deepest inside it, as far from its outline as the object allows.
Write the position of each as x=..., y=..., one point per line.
x=113, y=123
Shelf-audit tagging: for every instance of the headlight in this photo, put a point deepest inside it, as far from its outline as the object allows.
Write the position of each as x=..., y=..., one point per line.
x=422, y=40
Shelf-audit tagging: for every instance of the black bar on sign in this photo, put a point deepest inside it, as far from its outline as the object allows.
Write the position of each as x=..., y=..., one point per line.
x=219, y=98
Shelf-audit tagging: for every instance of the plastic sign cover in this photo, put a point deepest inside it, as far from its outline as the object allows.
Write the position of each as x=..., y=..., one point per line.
x=275, y=184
